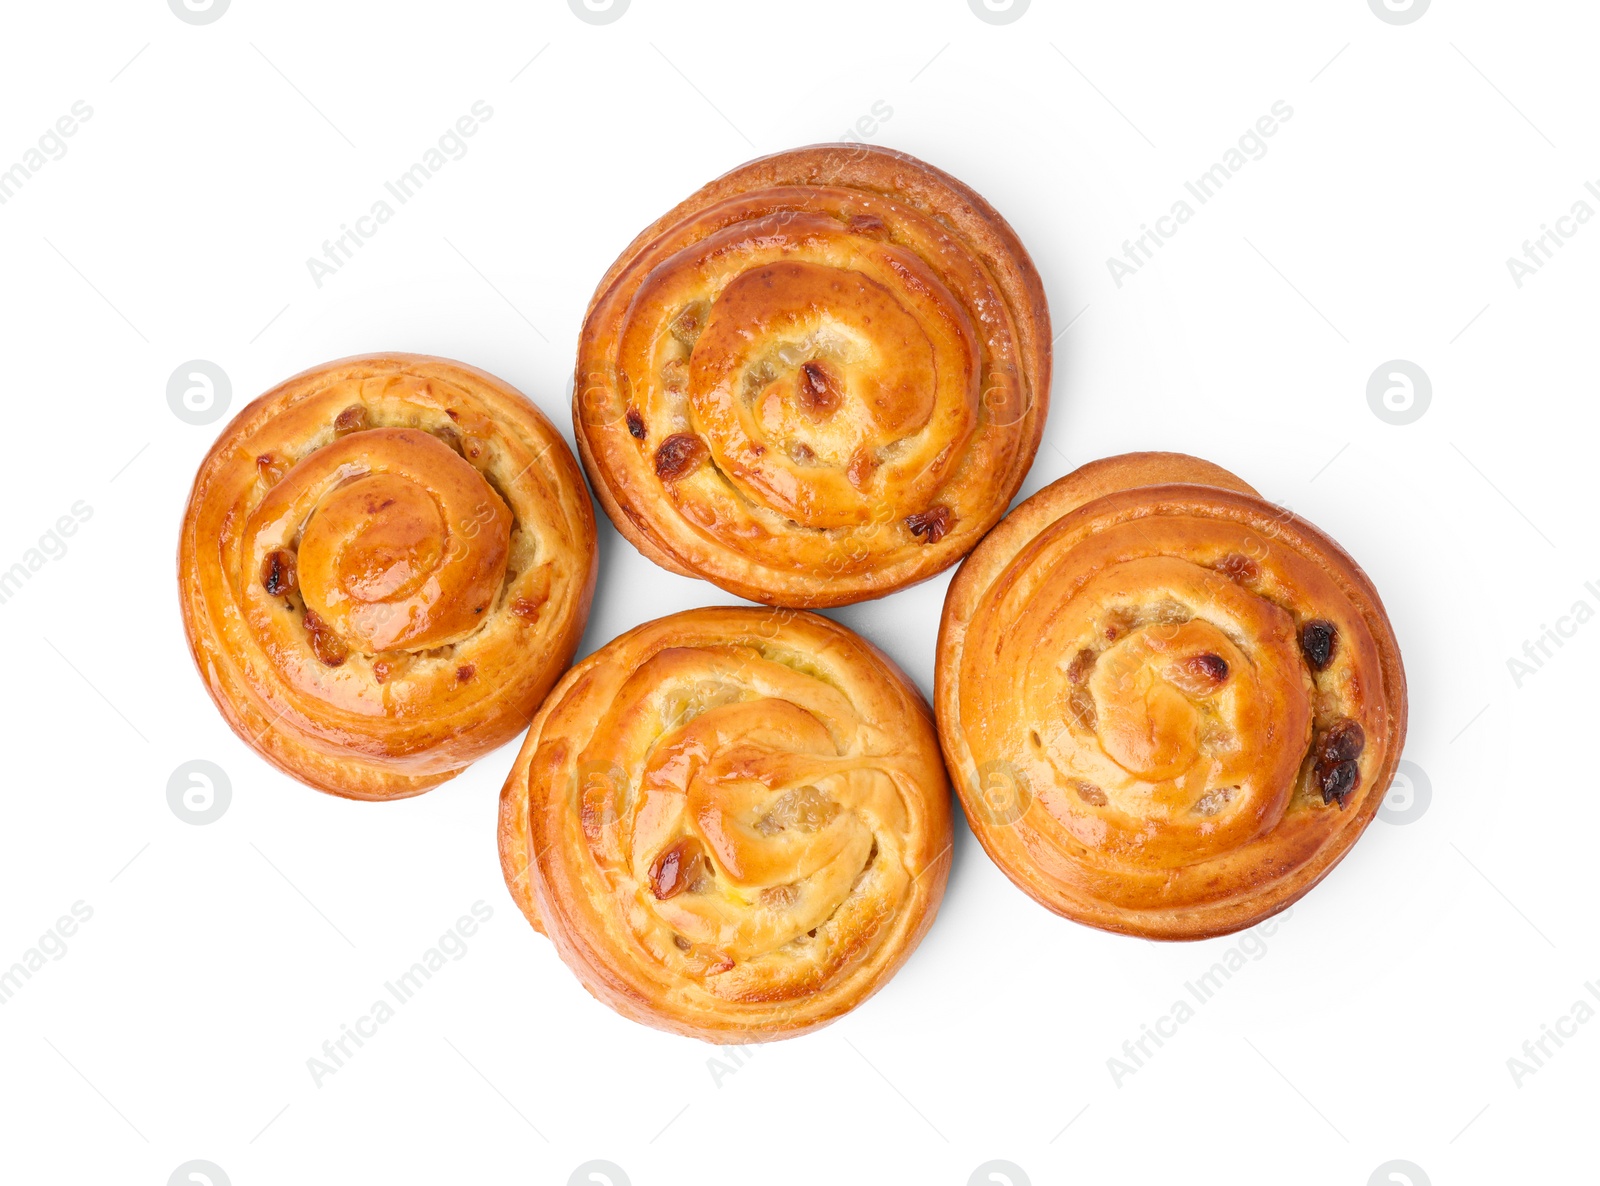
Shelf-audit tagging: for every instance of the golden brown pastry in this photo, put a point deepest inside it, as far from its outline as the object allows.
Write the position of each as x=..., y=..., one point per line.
x=385, y=564
x=817, y=380
x=1169, y=707
x=733, y=823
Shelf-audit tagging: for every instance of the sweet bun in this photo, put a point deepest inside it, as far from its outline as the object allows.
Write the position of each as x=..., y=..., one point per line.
x=1169, y=707
x=733, y=823
x=385, y=563
x=819, y=379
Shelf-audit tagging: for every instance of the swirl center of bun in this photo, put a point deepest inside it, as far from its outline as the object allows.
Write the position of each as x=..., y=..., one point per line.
x=1158, y=704
x=830, y=389
x=1183, y=707
x=402, y=543
x=759, y=813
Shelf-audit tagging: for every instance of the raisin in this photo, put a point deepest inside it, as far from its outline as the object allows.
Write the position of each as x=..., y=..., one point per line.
x=1119, y=621
x=327, y=646
x=465, y=672
x=680, y=454
x=1336, y=770
x=1209, y=668
x=931, y=525
x=757, y=378
x=1338, y=781
x=1166, y=612
x=675, y=869
x=1344, y=740
x=686, y=326
x=803, y=809
x=780, y=897
x=635, y=424
x=1081, y=705
x=1082, y=664
x=817, y=389
x=527, y=608
x=1238, y=568
x=1214, y=800
x=450, y=437
x=862, y=463
x=1318, y=640
x=278, y=573
x=271, y=469
x=1089, y=793
x=352, y=419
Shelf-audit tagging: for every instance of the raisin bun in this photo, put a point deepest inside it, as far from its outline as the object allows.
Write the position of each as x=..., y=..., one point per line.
x=817, y=380
x=385, y=564
x=1169, y=706
x=733, y=823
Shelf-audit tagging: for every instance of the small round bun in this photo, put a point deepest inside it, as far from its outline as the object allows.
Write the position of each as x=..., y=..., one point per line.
x=1169, y=707
x=385, y=564
x=818, y=380
x=734, y=823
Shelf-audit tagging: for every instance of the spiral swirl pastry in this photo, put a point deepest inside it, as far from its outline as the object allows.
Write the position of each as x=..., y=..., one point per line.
x=1169, y=707
x=819, y=379
x=734, y=823
x=385, y=564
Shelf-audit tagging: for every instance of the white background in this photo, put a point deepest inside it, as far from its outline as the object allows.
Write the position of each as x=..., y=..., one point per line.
x=219, y=958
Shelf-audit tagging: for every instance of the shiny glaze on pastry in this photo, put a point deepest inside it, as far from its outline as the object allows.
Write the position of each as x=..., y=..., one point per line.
x=385, y=564
x=1169, y=707
x=817, y=380
x=733, y=823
